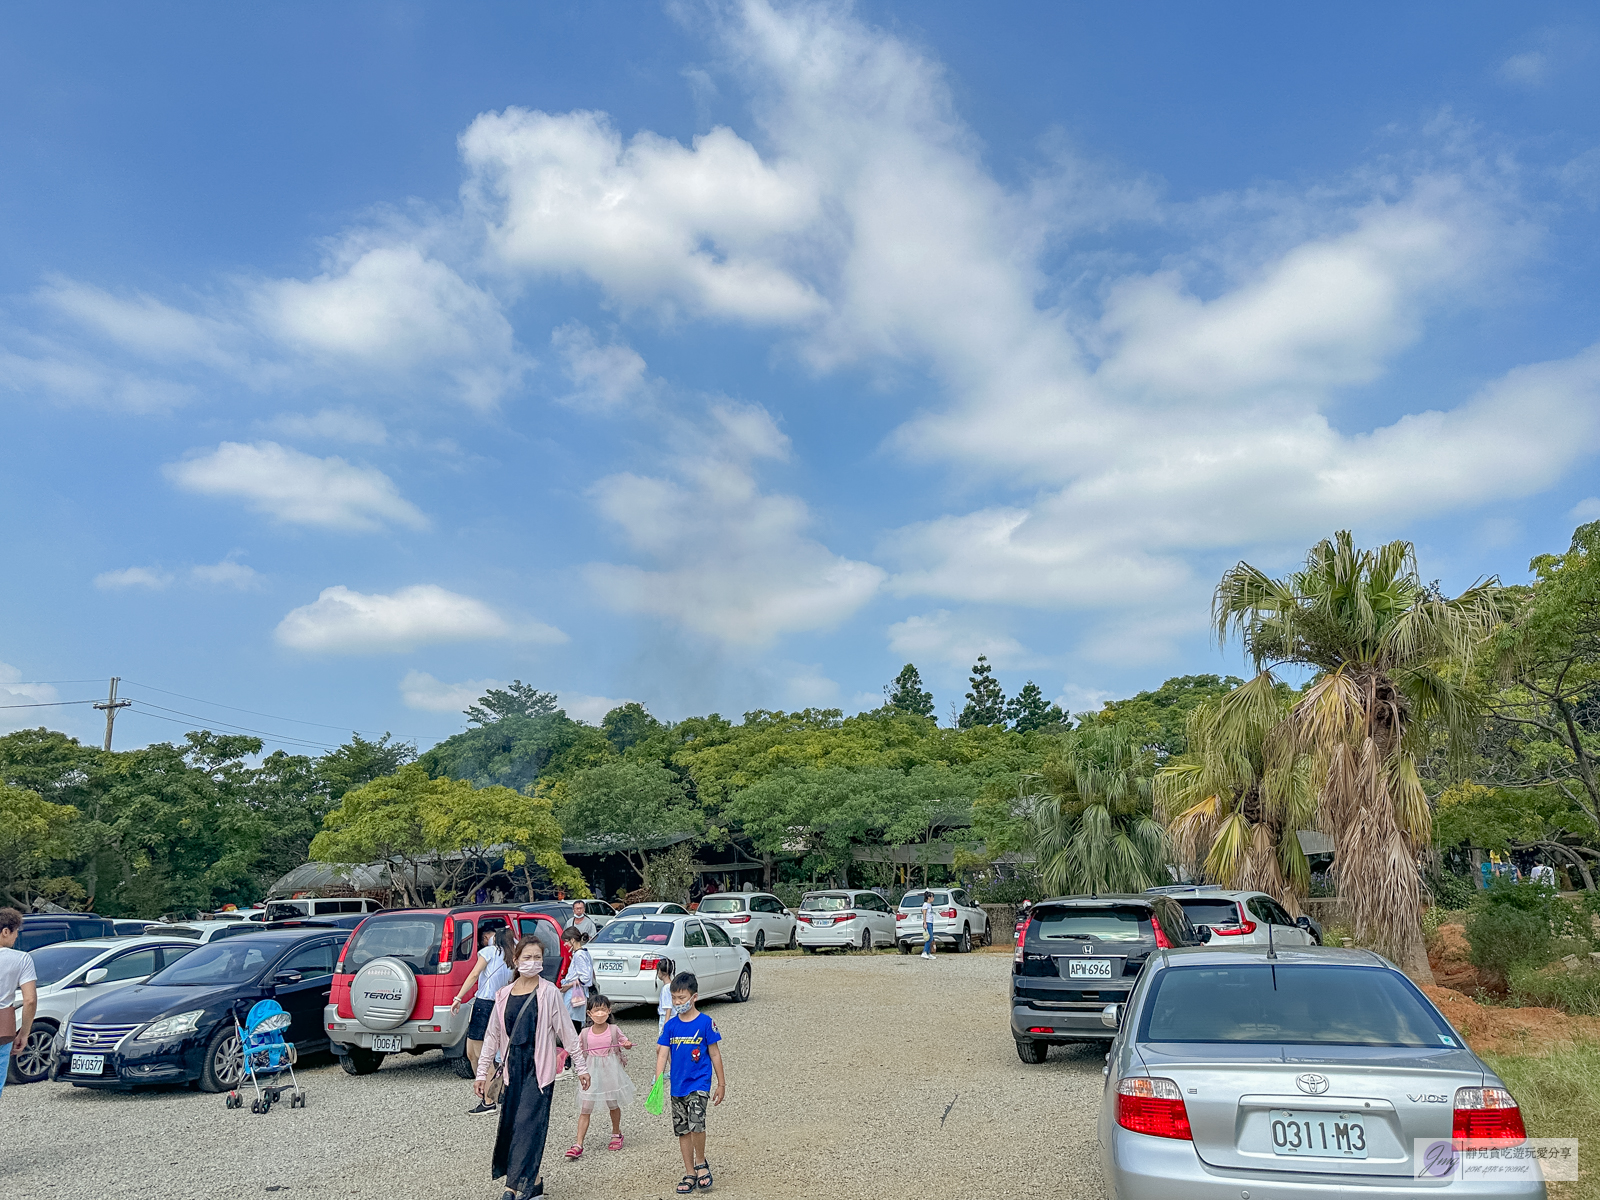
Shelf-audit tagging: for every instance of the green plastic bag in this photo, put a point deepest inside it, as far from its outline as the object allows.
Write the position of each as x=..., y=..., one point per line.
x=655, y=1102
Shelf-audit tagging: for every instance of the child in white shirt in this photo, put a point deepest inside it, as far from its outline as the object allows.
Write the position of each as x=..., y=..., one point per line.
x=664, y=970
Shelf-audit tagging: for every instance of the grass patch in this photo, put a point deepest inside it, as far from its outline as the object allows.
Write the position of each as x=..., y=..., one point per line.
x=1560, y=1097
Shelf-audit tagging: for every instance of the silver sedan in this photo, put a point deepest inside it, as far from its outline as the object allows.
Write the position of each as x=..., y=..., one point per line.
x=1310, y=1073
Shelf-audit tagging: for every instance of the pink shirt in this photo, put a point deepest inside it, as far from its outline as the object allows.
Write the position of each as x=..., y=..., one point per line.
x=553, y=1025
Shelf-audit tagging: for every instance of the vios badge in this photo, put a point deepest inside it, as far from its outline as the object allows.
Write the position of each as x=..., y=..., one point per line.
x=1311, y=1083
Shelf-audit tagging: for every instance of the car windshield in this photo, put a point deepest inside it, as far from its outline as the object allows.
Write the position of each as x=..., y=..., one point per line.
x=634, y=932
x=825, y=904
x=228, y=961
x=1303, y=1004
x=914, y=899
x=413, y=938
x=721, y=904
x=52, y=964
x=1211, y=912
x=1079, y=924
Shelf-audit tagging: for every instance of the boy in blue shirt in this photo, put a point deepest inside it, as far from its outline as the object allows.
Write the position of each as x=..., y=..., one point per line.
x=689, y=1041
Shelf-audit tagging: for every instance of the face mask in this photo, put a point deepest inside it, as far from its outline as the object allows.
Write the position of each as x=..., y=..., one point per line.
x=680, y=1009
x=529, y=969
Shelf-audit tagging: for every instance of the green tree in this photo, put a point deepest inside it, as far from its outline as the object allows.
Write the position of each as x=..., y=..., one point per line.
x=627, y=725
x=1233, y=804
x=1159, y=718
x=906, y=693
x=1093, y=828
x=516, y=751
x=1389, y=655
x=986, y=703
x=1028, y=710
x=360, y=761
x=1544, y=820
x=633, y=807
x=518, y=700
x=35, y=835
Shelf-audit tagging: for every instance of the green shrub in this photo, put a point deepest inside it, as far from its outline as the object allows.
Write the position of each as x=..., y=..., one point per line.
x=1504, y=937
x=1007, y=891
x=1452, y=891
x=1555, y=986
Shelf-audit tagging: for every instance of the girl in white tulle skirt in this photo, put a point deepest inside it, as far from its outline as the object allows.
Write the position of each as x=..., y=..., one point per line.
x=609, y=1085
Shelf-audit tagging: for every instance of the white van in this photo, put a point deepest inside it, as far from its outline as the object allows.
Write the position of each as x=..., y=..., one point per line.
x=290, y=910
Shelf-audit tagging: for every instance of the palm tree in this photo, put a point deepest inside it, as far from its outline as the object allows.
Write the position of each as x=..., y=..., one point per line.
x=1389, y=653
x=1093, y=829
x=1233, y=807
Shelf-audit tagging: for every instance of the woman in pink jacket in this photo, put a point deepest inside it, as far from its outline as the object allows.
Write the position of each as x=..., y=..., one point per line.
x=530, y=1018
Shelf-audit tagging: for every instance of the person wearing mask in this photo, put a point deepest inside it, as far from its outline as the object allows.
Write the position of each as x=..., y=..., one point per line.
x=16, y=974
x=582, y=921
x=492, y=971
x=580, y=975
x=519, y=1062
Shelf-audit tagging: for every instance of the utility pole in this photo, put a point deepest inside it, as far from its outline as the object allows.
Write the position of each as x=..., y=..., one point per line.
x=111, y=705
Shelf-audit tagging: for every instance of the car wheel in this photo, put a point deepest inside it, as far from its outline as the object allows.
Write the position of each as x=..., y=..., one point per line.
x=988, y=935
x=464, y=1067
x=222, y=1068
x=741, y=991
x=1030, y=1051
x=866, y=939
x=32, y=1062
x=964, y=942
x=794, y=938
x=761, y=941
x=358, y=1061
x=905, y=947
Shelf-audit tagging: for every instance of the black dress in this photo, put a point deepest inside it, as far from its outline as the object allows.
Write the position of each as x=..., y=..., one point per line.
x=524, y=1106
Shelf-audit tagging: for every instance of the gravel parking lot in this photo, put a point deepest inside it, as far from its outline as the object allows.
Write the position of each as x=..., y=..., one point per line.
x=862, y=1076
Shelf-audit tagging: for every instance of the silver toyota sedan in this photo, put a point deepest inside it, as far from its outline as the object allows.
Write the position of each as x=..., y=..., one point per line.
x=1309, y=1073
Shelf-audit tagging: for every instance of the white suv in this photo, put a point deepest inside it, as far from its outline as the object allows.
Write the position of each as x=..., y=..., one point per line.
x=844, y=919
x=754, y=920
x=957, y=920
x=1241, y=918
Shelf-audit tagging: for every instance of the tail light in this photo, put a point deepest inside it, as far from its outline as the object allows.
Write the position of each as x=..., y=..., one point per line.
x=1022, y=936
x=737, y=920
x=1031, y=1029
x=1154, y=1106
x=803, y=917
x=649, y=964
x=1245, y=925
x=447, y=945
x=1487, y=1115
x=902, y=916
x=843, y=917
x=1163, y=942
x=948, y=912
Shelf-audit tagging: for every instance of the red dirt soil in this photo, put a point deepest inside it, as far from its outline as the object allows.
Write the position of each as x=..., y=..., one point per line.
x=1488, y=1027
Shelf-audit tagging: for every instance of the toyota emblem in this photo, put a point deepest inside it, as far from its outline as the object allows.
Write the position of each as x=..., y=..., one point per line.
x=1311, y=1082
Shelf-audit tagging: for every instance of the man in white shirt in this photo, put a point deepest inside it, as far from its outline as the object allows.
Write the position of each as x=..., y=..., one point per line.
x=16, y=971
x=582, y=921
x=1544, y=873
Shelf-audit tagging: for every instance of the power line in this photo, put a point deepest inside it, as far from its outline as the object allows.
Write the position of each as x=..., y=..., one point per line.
x=41, y=682
x=251, y=711
x=145, y=704
x=46, y=704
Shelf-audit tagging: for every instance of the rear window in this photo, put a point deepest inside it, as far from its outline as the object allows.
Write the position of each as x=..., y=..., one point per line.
x=1211, y=912
x=1303, y=1005
x=722, y=904
x=413, y=939
x=54, y=963
x=286, y=910
x=634, y=932
x=1079, y=924
x=914, y=899
x=824, y=904
x=233, y=961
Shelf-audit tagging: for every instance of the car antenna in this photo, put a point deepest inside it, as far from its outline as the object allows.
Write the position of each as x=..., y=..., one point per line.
x=1271, y=950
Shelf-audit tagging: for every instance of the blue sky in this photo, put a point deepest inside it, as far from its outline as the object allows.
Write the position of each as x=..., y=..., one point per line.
x=723, y=356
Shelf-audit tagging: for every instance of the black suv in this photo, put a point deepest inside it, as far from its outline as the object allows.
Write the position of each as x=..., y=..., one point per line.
x=1076, y=955
x=46, y=929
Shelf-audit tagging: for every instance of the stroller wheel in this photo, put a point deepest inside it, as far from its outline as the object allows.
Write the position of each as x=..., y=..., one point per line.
x=255, y=1106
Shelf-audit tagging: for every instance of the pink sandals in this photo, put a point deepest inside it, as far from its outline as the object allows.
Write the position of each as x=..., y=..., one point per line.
x=574, y=1151
x=616, y=1142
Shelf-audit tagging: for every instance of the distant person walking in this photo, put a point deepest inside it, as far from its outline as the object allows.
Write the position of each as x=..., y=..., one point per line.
x=1544, y=873
x=518, y=1060
x=580, y=974
x=16, y=973
x=492, y=971
x=927, y=924
x=582, y=921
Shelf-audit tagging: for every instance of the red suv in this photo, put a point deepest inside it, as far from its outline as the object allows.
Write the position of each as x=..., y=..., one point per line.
x=400, y=970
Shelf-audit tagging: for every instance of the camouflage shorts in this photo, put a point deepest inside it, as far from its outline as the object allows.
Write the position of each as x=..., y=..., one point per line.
x=689, y=1113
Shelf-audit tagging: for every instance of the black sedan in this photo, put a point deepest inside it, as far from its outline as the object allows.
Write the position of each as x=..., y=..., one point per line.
x=177, y=1027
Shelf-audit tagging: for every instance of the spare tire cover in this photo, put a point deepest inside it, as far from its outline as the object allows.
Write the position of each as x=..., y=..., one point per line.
x=383, y=993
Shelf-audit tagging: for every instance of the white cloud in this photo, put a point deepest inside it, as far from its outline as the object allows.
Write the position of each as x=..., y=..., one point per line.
x=62, y=377
x=606, y=377
x=392, y=309
x=15, y=692
x=420, y=690
x=953, y=639
x=737, y=564
x=332, y=424
x=144, y=325
x=1529, y=69
x=651, y=221
x=298, y=488
x=810, y=687
x=342, y=621
x=133, y=577
x=1586, y=510
x=228, y=573
x=591, y=709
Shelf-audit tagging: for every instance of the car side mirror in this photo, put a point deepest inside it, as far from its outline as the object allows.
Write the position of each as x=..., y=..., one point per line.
x=1203, y=932
x=287, y=977
x=1303, y=921
x=94, y=976
x=1111, y=1016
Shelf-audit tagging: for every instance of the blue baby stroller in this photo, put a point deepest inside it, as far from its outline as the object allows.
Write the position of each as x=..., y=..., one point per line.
x=266, y=1057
